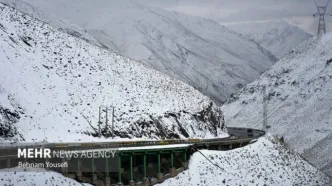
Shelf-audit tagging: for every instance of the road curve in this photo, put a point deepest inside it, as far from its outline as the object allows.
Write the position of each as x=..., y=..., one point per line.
x=237, y=135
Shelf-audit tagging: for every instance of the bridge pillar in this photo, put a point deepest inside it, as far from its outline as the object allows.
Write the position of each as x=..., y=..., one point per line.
x=107, y=181
x=159, y=175
x=8, y=163
x=146, y=182
x=119, y=170
x=64, y=170
x=106, y=167
x=240, y=145
x=172, y=170
x=92, y=165
x=219, y=147
x=144, y=166
x=131, y=183
x=184, y=163
x=79, y=175
x=172, y=159
x=47, y=160
x=131, y=171
x=79, y=171
x=159, y=167
x=230, y=146
x=94, y=178
x=107, y=178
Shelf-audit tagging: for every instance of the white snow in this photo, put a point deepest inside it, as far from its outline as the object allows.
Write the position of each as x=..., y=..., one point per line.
x=262, y=163
x=197, y=51
x=35, y=177
x=66, y=26
x=155, y=147
x=133, y=148
x=300, y=101
x=278, y=36
x=56, y=83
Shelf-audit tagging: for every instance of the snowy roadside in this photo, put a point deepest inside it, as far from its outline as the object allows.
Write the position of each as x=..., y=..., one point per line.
x=265, y=162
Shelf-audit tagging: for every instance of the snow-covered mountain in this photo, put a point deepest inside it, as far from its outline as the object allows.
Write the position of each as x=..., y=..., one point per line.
x=200, y=52
x=300, y=101
x=52, y=84
x=279, y=37
x=263, y=163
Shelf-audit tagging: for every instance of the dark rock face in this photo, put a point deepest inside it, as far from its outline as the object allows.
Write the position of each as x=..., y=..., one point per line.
x=173, y=125
x=8, y=119
x=328, y=61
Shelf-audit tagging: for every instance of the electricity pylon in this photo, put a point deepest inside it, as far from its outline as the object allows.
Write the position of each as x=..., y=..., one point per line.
x=321, y=13
x=106, y=124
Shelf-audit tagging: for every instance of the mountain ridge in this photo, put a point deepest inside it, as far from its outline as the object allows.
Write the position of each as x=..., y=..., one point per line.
x=298, y=108
x=199, y=52
x=53, y=84
x=277, y=36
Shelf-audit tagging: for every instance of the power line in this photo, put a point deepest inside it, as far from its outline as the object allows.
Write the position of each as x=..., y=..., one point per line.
x=208, y=159
x=273, y=111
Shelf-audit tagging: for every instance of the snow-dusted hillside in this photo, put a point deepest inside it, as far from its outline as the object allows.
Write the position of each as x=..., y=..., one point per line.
x=262, y=163
x=200, y=52
x=35, y=177
x=279, y=37
x=52, y=84
x=66, y=26
x=300, y=101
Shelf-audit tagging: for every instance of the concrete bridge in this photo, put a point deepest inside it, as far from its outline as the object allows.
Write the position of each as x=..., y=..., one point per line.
x=128, y=162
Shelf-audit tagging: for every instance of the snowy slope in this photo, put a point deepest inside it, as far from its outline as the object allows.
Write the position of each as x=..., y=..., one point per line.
x=279, y=37
x=35, y=177
x=262, y=163
x=66, y=26
x=300, y=101
x=52, y=84
x=199, y=52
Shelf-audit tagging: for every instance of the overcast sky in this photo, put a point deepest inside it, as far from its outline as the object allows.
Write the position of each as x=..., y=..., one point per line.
x=298, y=12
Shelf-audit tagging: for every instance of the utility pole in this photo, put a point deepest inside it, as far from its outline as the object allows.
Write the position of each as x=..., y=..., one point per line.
x=265, y=102
x=106, y=122
x=321, y=12
x=220, y=117
x=264, y=108
x=112, y=122
x=99, y=123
